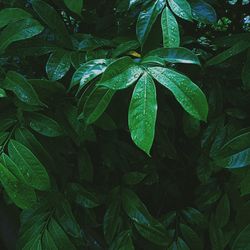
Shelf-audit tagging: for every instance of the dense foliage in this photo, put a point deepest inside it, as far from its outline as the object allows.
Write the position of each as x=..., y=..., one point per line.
x=124, y=124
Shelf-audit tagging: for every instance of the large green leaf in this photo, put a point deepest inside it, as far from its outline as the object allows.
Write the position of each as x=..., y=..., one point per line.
x=142, y=113
x=121, y=74
x=58, y=64
x=21, y=194
x=88, y=72
x=75, y=6
x=10, y=15
x=45, y=125
x=181, y=8
x=170, y=29
x=243, y=240
x=146, y=20
x=22, y=88
x=175, y=55
x=19, y=30
x=185, y=91
x=54, y=21
x=33, y=172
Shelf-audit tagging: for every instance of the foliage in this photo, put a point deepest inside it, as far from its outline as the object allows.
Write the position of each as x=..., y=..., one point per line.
x=124, y=124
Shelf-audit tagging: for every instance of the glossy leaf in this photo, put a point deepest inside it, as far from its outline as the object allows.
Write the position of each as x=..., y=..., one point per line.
x=21, y=194
x=54, y=21
x=22, y=89
x=176, y=55
x=170, y=29
x=142, y=113
x=33, y=172
x=185, y=91
x=181, y=8
x=75, y=6
x=45, y=125
x=58, y=65
x=10, y=15
x=203, y=12
x=121, y=74
x=19, y=30
x=146, y=20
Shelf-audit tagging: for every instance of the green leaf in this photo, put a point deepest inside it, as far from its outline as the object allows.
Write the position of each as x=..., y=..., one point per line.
x=193, y=216
x=203, y=12
x=175, y=55
x=58, y=64
x=245, y=75
x=121, y=74
x=133, y=178
x=170, y=29
x=54, y=21
x=22, y=88
x=88, y=71
x=123, y=242
x=185, y=91
x=142, y=113
x=112, y=221
x=33, y=172
x=181, y=8
x=146, y=20
x=48, y=242
x=234, y=50
x=191, y=237
x=242, y=241
x=96, y=104
x=10, y=15
x=19, y=30
x=179, y=244
x=21, y=194
x=222, y=213
x=75, y=6
x=245, y=184
x=216, y=235
x=45, y=125
x=2, y=93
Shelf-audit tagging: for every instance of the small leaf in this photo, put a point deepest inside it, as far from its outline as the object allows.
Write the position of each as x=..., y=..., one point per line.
x=146, y=20
x=181, y=8
x=45, y=125
x=58, y=65
x=185, y=91
x=19, y=30
x=21, y=194
x=142, y=113
x=22, y=88
x=33, y=172
x=170, y=29
x=75, y=6
x=179, y=244
x=125, y=47
x=121, y=74
x=10, y=15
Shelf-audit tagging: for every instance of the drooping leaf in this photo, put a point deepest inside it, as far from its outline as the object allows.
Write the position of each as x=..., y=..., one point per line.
x=54, y=21
x=170, y=29
x=33, y=172
x=19, y=30
x=142, y=113
x=75, y=6
x=121, y=74
x=146, y=20
x=58, y=65
x=181, y=8
x=176, y=55
x=185, y=91
x=22, y=88
x=21, y=194
x=10, y=15
x=45, y=125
